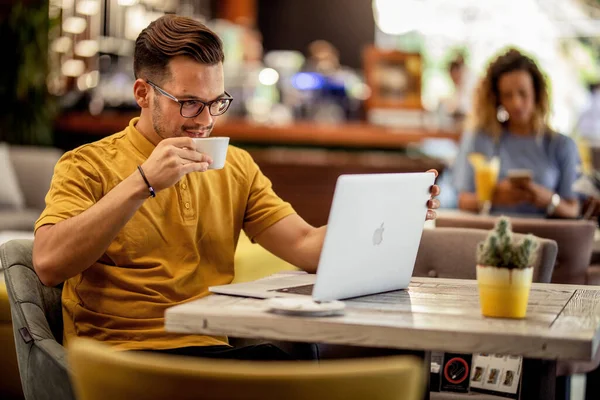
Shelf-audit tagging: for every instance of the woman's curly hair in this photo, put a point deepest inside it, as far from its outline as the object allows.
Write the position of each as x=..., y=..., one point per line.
x=484, y=117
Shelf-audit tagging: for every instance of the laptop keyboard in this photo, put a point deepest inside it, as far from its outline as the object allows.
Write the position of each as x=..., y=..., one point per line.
x=304, y=289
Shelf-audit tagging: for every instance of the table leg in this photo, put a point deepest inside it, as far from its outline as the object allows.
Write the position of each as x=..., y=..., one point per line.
x=427, y=362
x=563, y=388
x=572, y=387
x=538, y=381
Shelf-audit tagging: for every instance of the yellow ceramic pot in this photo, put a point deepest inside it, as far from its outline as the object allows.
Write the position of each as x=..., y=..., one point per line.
x=504, y=292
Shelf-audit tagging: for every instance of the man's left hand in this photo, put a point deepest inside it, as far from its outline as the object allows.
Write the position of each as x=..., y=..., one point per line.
x=433, y=203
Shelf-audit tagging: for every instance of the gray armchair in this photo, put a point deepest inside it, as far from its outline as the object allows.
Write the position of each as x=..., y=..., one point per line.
x=451, y=253
x=37, y=325
x=575, y=239
x=33, y=167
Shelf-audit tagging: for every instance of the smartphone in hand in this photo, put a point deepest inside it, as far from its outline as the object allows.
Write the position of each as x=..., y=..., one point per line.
x=520, y=177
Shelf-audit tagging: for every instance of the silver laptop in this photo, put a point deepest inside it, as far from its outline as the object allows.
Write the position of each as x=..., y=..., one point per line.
x=373, y=235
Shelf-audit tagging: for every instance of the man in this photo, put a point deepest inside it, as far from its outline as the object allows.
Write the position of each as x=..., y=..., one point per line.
x=125, y=256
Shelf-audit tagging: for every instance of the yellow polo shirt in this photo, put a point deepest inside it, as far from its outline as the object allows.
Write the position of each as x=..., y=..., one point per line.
x=175, y=246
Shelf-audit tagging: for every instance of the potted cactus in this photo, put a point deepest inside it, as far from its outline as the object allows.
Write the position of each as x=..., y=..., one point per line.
x=505, y=272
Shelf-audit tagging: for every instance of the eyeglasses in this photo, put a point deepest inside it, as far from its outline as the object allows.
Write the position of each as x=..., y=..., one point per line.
x=192, y=108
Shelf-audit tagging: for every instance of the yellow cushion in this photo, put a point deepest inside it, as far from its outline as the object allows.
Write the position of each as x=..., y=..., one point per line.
x=253, y=262
x=98, y=372
x=4, y=304
x=10, y=383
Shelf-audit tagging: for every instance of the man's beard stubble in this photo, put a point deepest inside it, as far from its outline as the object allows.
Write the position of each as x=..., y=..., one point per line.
x=159, y=126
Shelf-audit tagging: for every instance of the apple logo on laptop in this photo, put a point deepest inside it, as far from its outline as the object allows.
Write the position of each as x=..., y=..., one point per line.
x=378, y=235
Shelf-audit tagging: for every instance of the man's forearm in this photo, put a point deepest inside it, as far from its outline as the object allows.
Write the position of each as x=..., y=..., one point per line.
x=64, y=250
x=310, y=249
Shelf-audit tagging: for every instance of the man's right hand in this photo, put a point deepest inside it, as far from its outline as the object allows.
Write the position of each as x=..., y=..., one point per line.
x=508, y=194
x=171, y=160
x=69, y=247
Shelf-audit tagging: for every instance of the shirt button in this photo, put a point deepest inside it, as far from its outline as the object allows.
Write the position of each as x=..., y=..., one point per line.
x=183, y=186
x=187, y=205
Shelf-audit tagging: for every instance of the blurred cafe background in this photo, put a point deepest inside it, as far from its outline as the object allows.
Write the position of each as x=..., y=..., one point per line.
x=320, y=87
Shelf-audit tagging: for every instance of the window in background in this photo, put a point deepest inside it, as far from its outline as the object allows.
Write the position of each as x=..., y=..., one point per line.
x=549, y=30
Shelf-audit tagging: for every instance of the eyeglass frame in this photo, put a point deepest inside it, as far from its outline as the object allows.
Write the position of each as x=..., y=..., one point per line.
x=182, y=102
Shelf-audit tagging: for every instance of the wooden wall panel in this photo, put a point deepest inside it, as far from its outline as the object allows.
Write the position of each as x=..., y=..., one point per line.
x=308, y=181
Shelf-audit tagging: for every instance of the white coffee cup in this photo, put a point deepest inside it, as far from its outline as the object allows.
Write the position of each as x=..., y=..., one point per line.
x=215, y=147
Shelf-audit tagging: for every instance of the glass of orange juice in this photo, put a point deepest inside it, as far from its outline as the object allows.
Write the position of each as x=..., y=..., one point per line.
x=486, y=177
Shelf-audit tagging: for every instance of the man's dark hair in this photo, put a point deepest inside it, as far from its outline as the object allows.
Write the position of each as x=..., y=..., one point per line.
x=171, y=36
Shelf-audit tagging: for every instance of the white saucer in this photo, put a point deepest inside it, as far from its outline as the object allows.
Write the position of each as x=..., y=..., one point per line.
x=304, y=306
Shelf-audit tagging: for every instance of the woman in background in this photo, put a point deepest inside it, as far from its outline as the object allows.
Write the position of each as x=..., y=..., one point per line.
x=510, y=116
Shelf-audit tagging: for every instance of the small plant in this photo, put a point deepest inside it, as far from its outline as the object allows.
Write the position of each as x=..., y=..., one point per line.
x=501, y=250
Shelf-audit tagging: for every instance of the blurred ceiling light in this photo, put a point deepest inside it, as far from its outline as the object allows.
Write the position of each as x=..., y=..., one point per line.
x=284, y=60
x=74, y=25
x=307, y=81
x=88, y=81
x=55, y=85
x=81, y=83
x=268, y=76
x=93, y=78
x=65, y=4
x=62, y=44
x=360, y=91
x=73, y=68
x=136, y=19
x=398, y=17
x=86, y=48
x=126, y=3
x=88, y=7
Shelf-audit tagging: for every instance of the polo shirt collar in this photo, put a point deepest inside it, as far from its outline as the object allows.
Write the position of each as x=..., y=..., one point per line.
x=138, y=140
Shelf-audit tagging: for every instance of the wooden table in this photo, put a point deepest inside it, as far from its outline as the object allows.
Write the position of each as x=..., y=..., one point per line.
x=563, y=322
